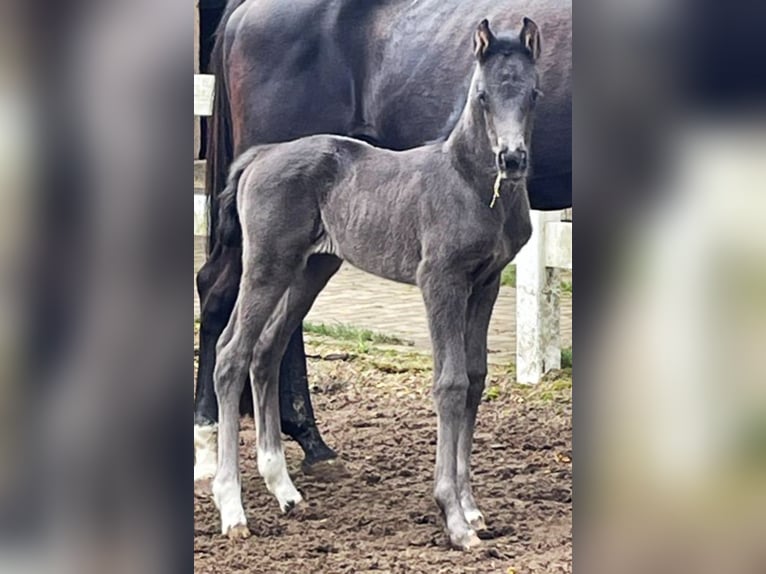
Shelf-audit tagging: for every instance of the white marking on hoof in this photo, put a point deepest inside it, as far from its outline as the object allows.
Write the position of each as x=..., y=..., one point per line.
x=227, y=496
x=238, y=532
x=205, y=452
x=476, y=519
x=466, y=541
x=273, y=469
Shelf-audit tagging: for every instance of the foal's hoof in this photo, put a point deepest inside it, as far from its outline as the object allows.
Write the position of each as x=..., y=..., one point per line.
x=476, y=520
x=293, y=507
x=238, y=532
x=467, y=541
x=330, y=470
x=203, y=487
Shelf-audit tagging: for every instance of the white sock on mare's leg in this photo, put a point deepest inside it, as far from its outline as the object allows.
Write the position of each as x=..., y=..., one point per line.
x=205, y=451
x=273, y=468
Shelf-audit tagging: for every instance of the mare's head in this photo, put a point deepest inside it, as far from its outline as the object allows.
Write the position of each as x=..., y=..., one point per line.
x=505, y=91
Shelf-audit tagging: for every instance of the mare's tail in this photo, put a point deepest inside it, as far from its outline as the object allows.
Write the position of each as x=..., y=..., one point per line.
x=220, y=147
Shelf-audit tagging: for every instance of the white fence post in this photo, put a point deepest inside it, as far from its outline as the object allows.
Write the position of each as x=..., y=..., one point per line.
x=204, y=91
x=538, y=345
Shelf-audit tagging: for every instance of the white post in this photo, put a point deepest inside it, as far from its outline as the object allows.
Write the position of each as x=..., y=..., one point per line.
x=197, y=135
x=538, y=348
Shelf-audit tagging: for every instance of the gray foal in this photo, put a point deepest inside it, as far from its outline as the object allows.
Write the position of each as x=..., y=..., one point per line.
x=420, y=216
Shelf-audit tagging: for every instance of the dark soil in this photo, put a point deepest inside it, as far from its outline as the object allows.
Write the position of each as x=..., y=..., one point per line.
x=381, y=517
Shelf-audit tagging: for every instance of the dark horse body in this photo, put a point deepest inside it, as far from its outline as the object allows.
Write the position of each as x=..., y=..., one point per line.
x=381, y=70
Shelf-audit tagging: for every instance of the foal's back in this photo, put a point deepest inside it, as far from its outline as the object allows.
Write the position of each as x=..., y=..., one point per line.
x=380, y=210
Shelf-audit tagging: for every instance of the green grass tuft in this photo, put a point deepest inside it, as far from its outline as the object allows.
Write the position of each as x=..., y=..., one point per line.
x=492, y=393
x=508, y=277
x=566, y=358
x=349, y=333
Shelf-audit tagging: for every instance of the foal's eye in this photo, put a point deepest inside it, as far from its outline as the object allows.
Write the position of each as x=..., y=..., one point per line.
x=482, y=96
x=536, y=94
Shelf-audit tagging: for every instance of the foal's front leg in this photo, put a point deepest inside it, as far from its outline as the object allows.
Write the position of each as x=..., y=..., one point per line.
x=446, y=297
x=479, y=312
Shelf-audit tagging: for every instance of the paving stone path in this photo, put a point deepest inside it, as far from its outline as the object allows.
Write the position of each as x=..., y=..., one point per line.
x=362, y=300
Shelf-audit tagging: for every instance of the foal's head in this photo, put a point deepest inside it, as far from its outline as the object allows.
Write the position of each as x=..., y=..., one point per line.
x=505, y=92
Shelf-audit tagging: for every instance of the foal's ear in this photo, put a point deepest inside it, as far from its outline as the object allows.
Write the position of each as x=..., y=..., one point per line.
x=482, y=39
x=530, y=38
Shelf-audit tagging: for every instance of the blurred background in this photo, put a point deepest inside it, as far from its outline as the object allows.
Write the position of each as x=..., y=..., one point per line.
x=670, y=250
x=670, y=318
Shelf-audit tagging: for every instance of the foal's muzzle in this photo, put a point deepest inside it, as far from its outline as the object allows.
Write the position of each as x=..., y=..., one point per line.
x=513, y=163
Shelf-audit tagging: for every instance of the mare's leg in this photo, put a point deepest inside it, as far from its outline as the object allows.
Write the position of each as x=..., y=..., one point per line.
x=297, y=413
x=480, y=305
x=264, y=374
x=265, y=279
x=217, y=285
x=446, y=296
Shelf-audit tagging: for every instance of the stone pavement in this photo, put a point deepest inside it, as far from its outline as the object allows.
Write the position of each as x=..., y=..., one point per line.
x=362, y=300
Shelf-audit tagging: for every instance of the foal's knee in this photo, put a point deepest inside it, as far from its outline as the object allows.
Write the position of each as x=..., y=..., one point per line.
x=450, y=390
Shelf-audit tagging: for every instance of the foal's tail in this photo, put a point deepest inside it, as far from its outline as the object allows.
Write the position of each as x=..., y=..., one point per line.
x=229, y=229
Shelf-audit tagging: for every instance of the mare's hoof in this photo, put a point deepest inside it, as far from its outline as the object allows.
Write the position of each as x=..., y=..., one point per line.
x=467, y=541
x=203, y=487
x=330, y=470
x=238, y=532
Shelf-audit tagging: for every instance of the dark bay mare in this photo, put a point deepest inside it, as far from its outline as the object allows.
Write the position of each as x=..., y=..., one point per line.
x=391, y=72
x=423, y=216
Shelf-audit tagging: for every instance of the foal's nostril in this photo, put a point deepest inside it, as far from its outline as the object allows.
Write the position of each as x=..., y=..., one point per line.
x=516, y=160
x=522, y=159
x=501, y=158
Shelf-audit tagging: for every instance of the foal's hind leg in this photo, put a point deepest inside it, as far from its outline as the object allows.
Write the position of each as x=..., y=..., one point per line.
x=264, y=374
x=217, y=284
x=480, y=306
x=446, y=295
x=261, y=288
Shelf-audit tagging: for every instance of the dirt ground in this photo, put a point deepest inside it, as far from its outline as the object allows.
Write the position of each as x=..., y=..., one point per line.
x=374, y=408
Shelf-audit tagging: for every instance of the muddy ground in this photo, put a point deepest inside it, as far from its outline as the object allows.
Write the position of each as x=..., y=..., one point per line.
x=374, y=408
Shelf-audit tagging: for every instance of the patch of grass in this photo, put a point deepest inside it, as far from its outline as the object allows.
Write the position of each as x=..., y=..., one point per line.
x=556, y=386
x=349, y=333
x=362, y=346
x=400, y=370
x=566, y=358
x=508, y=277
x=566, y=287
x=492, y=393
